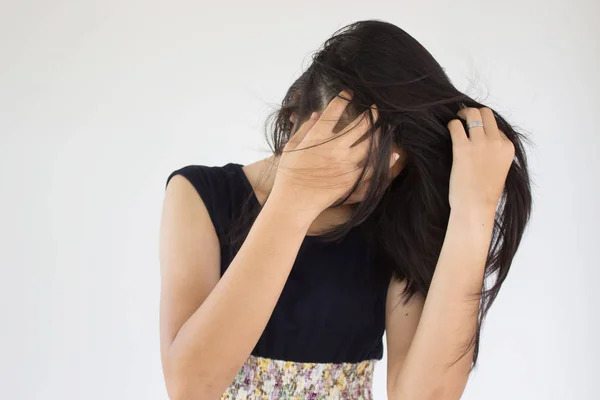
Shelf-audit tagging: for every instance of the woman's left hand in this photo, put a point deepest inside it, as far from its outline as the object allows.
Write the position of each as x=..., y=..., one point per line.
x=480, y=161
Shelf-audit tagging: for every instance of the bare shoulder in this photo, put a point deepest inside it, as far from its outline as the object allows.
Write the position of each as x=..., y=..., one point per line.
x=185, y=217
x=181, y=192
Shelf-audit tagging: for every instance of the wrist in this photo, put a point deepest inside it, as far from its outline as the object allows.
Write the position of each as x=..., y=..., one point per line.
x=474, y=225
x=286, y=208
x=474, y=213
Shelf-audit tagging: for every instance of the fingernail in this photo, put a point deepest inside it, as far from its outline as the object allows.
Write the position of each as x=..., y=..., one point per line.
x=347, y=93
x=314, y=115
x=375, y=110
x=395, y=157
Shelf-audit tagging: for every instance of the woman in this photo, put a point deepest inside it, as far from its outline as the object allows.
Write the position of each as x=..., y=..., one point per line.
x=389, y=196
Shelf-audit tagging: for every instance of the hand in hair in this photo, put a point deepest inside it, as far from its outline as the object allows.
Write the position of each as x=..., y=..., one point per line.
x=318, y=166
x=480, y=161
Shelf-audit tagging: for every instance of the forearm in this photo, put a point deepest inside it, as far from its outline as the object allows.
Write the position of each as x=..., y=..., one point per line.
x=212, y=345
x=449, y=316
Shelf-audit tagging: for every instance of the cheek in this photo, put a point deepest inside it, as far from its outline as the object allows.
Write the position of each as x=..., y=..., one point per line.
x=359, y=194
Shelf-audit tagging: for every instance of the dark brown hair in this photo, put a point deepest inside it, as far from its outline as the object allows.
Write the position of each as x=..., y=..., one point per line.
x=406, y=220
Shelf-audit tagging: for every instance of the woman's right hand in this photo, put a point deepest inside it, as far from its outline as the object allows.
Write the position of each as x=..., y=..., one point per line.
x=314, y=171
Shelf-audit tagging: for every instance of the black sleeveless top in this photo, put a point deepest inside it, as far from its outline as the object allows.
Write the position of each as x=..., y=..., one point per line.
x=332, y=307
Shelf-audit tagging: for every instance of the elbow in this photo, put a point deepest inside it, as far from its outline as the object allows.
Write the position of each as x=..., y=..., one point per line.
x=193, y=377
x=177, y=392
x=426, y=386
x=183, y=385
x=182, y=389
x=408, y=392
x=440, y=394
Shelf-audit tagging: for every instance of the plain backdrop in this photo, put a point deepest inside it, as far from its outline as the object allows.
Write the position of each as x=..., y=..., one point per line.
x=101, y=100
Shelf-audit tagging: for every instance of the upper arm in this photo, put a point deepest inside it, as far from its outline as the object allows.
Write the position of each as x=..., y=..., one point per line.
x=401, y=322
x=189, y=258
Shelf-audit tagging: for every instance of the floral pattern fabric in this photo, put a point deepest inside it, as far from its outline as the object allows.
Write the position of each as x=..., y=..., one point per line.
x=268, y=379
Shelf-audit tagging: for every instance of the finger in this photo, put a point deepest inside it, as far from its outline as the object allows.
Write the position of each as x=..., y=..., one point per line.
x=354, y=133
x=471, y=115
x=332, y=113
x=489, y=123
x=457, y=132
x=301, y=133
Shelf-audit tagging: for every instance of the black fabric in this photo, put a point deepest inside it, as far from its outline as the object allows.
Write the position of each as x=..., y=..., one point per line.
x=332, y=307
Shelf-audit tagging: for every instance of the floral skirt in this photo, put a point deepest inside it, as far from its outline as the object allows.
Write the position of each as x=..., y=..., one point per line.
x=264, y=378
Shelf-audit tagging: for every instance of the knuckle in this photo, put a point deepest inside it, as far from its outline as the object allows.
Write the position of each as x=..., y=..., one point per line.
x=464, y=149
x=473, y=113
x=480, y=144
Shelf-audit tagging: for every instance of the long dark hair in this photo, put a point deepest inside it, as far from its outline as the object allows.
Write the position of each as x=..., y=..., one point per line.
x=406, y=220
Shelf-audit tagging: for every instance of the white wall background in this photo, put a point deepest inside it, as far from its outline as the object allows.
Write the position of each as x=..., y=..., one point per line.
x=99, y=101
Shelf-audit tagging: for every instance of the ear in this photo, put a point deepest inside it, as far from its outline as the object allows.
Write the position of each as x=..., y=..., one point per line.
x=400, y=163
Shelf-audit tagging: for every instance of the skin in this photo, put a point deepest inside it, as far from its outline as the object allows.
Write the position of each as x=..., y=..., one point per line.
x=209, y=325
